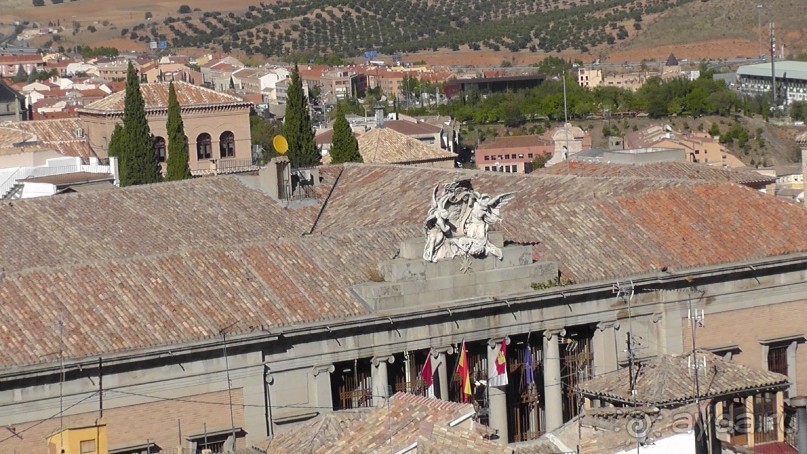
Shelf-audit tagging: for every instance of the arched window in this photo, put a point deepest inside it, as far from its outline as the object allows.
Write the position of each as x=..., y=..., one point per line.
x=227, y=144
x=204, y=147
x=159, y=148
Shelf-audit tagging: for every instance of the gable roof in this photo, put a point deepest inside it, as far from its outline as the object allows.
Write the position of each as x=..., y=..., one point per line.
x=319, y=434
x=209, y=250
x=57, y=134
x=602, y=430
x=667, y=380
x=155, y=96
x=402, y=423
x=412, y=128
x=7, y=94
x=386, y=146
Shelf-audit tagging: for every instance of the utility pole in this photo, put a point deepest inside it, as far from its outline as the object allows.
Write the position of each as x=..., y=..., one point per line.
x=759, y=29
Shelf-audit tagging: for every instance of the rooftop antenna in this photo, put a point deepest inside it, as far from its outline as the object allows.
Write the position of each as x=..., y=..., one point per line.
x=698, y=320
x=60, y=324
x=223, y=333
x=773, y=65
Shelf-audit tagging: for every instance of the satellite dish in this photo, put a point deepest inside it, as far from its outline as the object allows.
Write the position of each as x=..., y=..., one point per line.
x=280, y=144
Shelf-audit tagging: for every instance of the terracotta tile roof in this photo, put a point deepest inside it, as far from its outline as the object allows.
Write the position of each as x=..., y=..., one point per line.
x=71, y=178
x=182, y=251
x=667, y=380
x=155, y=96
x=21, y=58
x=57, y=134
x=9, y=137
x=801, y=139
x=665, y=170
x=411, y=128
x=515, y=142
x=603, y=430
x=411, y=417
x=452, y=441
x=129, y=218
x=641, y=224
x=315, y=435
x=387, y=146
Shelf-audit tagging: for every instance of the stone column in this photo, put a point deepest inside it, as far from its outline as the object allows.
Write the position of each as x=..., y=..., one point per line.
x=322, y=386
x=380, y=378
x=497, y=397
x=605, y=347
x=440, y=370
x=553, y=393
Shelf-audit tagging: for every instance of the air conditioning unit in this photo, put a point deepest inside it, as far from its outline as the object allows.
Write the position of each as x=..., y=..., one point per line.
x=79, y=133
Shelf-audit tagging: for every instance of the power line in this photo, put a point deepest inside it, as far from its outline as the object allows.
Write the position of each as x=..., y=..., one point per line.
x=57, y=415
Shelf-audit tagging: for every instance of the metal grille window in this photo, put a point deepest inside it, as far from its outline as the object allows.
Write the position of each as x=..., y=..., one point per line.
x=777, y=359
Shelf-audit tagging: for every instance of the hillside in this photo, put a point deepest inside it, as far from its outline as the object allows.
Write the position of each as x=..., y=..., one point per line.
x=348, y=28
x=477, y=32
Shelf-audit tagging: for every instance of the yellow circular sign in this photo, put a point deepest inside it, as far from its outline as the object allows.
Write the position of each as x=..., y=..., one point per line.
x=280, y=144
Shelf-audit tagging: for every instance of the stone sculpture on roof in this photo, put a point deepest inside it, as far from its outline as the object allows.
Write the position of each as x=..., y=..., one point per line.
x=458, y=221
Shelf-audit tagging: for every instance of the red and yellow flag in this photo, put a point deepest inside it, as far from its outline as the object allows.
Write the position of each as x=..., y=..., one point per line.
x=464, y=370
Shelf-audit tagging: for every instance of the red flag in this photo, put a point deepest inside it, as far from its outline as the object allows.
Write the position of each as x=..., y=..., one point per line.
x=464, y=370
x=426, y=372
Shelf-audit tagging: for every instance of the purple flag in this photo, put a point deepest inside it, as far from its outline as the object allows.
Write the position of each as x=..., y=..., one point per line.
x=528, y=365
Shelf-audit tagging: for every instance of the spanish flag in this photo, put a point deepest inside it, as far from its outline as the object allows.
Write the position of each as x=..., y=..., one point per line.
x=464, y=371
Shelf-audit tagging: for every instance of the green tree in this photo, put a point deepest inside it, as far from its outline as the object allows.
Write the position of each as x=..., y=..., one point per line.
x=262, y=132
x=303, y=151
x=117, y=150
x=177, y=168
x=21, y=75
x=540, y=161
x=345, y=147
x=714, y=130
x=137, y=161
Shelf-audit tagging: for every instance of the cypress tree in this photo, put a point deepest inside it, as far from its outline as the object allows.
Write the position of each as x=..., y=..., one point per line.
x=303, y=151
x=117, y=150
x=138, y=164
x=345, y=147
x=177, y=168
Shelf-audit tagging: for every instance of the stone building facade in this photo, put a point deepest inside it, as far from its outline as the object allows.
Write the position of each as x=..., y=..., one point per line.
x=216, y=124
x=295, y=308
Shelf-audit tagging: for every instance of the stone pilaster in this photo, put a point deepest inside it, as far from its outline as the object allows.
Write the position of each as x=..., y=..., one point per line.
x=322, y=386
x=605, y=347
x=440, y=370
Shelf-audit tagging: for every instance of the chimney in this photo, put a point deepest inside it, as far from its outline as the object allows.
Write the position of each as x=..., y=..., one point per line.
x=801, y=139
x=379, y=115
